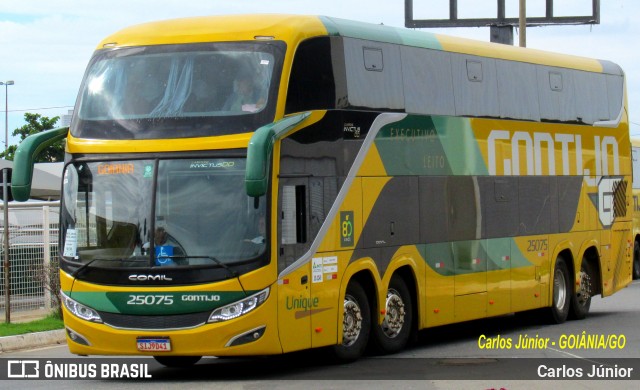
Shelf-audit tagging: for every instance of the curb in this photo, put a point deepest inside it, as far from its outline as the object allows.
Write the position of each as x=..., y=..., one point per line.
x=32, y=340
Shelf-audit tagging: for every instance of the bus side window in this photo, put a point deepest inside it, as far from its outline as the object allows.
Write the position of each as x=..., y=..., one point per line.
x=294, y=215
x=312, y=85
x=293, y=221
x=635, y=164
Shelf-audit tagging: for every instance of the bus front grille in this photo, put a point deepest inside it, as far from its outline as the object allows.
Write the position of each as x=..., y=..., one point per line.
x=159, y=322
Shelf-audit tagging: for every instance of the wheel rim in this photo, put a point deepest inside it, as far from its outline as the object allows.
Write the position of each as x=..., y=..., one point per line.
x=585, y=288
x=560, y=290
x=352, y=323
x=395, y=313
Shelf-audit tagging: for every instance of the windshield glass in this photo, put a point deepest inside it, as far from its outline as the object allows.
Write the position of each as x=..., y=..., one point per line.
x=174, y=91
x=202, y=215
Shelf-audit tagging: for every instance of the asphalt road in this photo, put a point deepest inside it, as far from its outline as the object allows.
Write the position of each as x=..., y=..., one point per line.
x=477, y=355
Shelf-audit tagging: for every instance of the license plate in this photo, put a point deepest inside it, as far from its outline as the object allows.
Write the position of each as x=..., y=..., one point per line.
x=157, y=344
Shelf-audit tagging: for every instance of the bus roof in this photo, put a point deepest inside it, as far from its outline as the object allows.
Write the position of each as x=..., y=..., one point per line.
x=288, y=28
x=293, y=29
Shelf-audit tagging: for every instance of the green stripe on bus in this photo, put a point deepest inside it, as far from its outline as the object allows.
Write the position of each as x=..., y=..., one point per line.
x=378, y=33
x=156, y=302
x=473, y=256
x=430, y=146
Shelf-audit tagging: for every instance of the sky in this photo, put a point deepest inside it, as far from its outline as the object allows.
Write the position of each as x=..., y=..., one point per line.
x=45, y=45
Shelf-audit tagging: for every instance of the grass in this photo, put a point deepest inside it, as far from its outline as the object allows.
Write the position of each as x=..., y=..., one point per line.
x=51, y=322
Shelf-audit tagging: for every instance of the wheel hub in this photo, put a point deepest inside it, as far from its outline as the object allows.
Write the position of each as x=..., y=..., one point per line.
x=585, y=288
x=352, y=323
x=559, y=290
x=395, y=313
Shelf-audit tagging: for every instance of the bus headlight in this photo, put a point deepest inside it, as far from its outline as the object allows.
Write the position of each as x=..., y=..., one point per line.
x=239, y=308
x=80, y=310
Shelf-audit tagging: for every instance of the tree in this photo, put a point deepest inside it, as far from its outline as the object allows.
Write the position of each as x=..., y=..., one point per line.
x=37, y=124
x=48, y=276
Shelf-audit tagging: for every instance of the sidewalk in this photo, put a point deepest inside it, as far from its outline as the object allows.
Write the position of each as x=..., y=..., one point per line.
x=32, y=340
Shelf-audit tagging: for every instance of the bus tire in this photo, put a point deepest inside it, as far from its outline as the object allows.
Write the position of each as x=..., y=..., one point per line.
x=636, y=260
x=394, y=332
x=559, y=310
x=356, y=324
x=177, y=361
x=581, y=299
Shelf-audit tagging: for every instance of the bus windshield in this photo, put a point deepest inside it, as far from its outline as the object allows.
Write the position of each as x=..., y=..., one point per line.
x=176, y=91
x=199, y=215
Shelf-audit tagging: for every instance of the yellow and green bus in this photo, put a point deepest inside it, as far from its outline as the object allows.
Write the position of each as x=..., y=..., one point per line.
x=635, y=162
x=261, y=184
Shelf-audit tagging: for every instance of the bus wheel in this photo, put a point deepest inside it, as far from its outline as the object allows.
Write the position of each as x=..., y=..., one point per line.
x=392, y=335
x=581, y=300
x=636, y=260
x=355, y=325
x=561, y=294
x=177, y=361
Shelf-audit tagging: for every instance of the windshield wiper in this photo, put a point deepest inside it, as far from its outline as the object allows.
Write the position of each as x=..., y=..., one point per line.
x=218, y=262
x=84, y=266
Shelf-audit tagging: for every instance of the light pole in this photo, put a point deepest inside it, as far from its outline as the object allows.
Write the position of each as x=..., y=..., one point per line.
x=6, y=113
x=5, y=199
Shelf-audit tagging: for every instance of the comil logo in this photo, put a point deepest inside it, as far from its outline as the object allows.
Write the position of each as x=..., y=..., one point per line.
x=149, y=278
x=23, y=369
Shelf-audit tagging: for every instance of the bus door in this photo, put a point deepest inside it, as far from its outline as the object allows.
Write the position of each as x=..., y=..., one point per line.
x=467, y=249
x=294, y=287
x=470, y=261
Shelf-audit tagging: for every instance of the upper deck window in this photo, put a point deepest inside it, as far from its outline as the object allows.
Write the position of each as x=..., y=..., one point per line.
x=175, y=91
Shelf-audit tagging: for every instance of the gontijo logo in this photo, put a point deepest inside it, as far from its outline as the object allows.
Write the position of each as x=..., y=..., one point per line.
x=540, y=158
x=540, y=152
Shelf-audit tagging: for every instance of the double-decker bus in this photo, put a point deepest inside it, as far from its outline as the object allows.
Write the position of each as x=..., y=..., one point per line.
x=261, y=184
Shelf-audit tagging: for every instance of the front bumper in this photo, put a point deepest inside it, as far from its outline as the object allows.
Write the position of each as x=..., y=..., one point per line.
x=252, y=334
